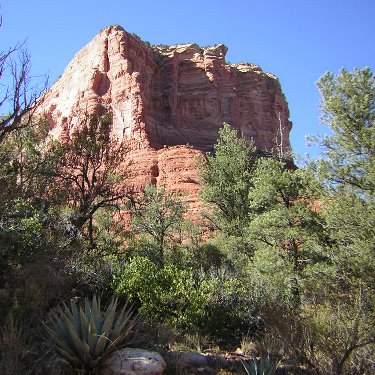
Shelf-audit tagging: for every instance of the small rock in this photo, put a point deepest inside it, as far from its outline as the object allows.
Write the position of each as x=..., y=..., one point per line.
x=131, y=361
x=192, y=359
x=58, y=366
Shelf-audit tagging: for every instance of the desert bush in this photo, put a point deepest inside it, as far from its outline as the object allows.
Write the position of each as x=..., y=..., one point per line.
x=165, y=293
x=191, y=340
x=340, y=336
x=94, y=271
x=172, y=294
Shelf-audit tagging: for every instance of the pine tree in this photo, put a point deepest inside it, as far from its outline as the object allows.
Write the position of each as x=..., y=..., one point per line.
x=226, y=177
x=348, y=108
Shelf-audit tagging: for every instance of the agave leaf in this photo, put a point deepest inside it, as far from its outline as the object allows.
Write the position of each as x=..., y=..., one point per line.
x=84, y=334
x=114, y=344
x=76, y=317
x=58, y=327
x=84, y=325
x=263, y=366
x=96, y=313
x=268, y=365
x=101, y=345
x=119, y=323
x=94, y=362
x=256, y=366
x=92, y=337
x=249, y=368
x=85, y=348
x=51, y=327
x=116, y=340
x=87, y=309
x=72, y=359
x=89, y=358
x=109, y=317
x=75, y=340
x=90, y=362
x=123, y=318
x=59, y=341
x=65, y=311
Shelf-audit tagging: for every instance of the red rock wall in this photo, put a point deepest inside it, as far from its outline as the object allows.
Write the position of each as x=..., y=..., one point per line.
x=168, y=103
x=194, y=91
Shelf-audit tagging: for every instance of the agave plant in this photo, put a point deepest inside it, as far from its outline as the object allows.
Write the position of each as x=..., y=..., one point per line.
x=263, y=366
x=83, y=335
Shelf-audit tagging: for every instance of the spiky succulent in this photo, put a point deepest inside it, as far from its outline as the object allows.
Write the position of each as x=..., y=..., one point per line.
x=263, y=366
x=84, y=335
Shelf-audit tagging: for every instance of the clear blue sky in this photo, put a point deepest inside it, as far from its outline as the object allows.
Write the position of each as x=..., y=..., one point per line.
x=297, y=40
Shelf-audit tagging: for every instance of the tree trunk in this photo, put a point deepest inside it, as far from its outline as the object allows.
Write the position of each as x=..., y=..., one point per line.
x=91, y=234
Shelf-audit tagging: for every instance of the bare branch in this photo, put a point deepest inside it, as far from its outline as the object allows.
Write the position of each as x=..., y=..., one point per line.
x=20, y=92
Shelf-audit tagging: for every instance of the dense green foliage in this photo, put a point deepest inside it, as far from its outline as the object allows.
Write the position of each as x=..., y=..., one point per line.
x=343, y=323
x=164, y=293
x=311, y=233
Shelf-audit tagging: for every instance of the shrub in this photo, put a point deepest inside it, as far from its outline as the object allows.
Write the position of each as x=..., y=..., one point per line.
x=86, y=335
x=165, y=293
x=171, y=294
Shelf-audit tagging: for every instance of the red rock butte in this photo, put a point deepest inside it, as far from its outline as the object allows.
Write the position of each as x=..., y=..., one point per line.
x=168, y=103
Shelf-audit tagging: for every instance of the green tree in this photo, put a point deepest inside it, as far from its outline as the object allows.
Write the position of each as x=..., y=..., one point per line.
x=226, y=176
x=28, y=158
x=348, y=108
x=157, y=214
x=170, y=293
x=342, y=319
x=30, y=244
x=283, y=220
x=288, y=236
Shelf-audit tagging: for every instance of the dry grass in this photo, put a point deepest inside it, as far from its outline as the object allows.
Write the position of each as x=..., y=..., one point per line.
x=191, y=342
x=227, y=372
x=13, y=348
x=248, y=346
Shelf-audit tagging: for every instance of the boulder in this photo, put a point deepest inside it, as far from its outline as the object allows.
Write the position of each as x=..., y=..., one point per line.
x=131, y=361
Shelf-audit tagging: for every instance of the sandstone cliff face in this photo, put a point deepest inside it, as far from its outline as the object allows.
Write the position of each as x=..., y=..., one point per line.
x=168, y=103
